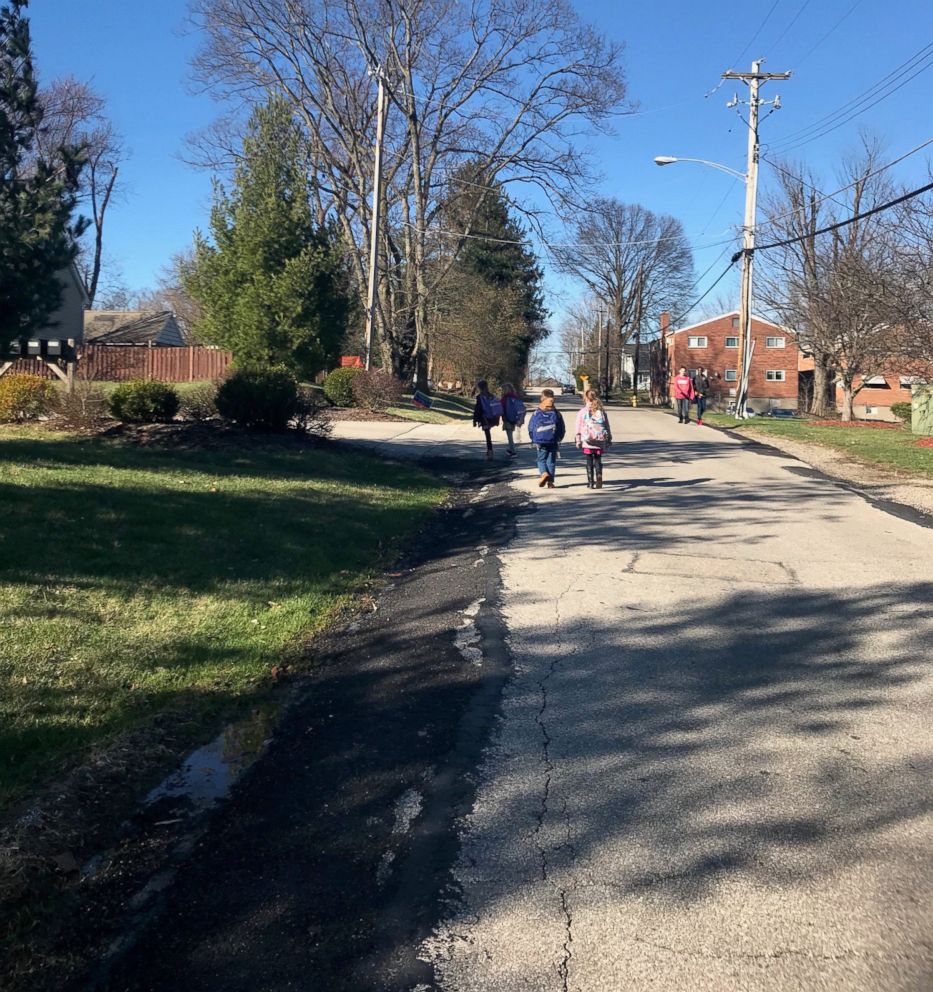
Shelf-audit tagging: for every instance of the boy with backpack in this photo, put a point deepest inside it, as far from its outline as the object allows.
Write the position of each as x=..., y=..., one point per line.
x=486, y=413
x=513, y=415
x=545, y=431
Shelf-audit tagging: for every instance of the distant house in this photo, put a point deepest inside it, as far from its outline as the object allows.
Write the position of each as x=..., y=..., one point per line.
x=714, y=345
x=644, y=365
x=147, y=328
x=66, y=323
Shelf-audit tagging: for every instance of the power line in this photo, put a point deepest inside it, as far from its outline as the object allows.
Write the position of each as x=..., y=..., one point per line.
x=817, y=44
x=838, y=224
x=863, y=102
x=722, y=275
x=751, y=41
x=793, y=21
x=842, y=189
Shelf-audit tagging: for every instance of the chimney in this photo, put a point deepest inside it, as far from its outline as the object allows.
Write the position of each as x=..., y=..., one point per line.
x=665, y=322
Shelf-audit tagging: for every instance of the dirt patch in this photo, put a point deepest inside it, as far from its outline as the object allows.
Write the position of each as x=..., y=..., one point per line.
x=924, y=442
x=884, y=425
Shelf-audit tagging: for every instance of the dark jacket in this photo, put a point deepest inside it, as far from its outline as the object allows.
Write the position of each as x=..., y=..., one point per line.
x=546, y=427
x=701, y=384
x=479, y=414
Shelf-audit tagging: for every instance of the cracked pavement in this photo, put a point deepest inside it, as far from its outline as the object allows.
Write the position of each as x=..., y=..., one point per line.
x=711, y=769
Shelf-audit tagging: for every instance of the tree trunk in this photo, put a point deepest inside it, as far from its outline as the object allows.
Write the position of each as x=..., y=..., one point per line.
x=848, y=395
x=823, y=400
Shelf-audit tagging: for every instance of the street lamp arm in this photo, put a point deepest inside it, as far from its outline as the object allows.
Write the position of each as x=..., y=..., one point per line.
x=670, y=159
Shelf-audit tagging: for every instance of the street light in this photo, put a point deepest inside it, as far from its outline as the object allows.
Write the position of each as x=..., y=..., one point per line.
x=750, y=179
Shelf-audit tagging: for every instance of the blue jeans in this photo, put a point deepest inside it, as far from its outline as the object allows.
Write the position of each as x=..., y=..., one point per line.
x=701, y=407
x=547, y=459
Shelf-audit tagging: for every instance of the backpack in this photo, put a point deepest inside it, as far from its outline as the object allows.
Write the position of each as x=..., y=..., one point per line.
x=595, y=427
x=491, y=407
x=514, y=411
x=544, y=427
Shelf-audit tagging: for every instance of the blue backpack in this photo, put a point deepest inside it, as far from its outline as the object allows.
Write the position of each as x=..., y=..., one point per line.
x=514, y=411
x=491, y=407
x=543, y=428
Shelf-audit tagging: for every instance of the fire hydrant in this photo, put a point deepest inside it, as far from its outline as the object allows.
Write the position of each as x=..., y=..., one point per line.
x=634, y=399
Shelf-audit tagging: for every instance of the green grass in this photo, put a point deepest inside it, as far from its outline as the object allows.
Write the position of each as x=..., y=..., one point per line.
x=890, y=448
x=138, y=580
x=445, y=409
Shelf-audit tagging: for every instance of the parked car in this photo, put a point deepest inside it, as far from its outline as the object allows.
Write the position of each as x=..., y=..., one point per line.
x=569, y=389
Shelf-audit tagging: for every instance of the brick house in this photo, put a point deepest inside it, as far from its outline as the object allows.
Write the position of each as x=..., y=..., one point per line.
x=714, y=345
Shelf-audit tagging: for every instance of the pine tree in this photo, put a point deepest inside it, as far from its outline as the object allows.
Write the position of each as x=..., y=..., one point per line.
x=37, y=195
x=272, y=284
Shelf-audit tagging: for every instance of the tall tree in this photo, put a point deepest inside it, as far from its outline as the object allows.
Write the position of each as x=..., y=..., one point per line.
x=638, y=263
x=74, y=116
x=37, y=193
x=508, y=84
x=271, y=284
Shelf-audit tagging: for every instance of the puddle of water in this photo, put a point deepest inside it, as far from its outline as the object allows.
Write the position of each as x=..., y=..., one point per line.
x=208, y=774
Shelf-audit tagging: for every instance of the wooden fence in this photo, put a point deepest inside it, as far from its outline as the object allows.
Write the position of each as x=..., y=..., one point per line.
x=117, y=363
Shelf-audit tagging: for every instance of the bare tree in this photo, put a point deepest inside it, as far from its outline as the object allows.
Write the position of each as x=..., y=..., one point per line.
x=74, y=116
x=638, y=262
x=838, y=291
x=508, y=85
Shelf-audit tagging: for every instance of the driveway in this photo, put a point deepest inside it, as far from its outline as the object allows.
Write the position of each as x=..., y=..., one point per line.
x=712, y=769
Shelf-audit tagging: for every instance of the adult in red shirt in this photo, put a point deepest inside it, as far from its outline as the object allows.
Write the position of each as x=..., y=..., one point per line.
x=684, y=394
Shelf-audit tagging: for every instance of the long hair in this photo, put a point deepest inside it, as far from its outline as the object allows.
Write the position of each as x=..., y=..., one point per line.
x=592, y=398
x=507, y=387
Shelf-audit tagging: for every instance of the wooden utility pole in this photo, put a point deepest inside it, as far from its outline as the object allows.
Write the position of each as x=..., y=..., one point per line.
x=375, y=216
x=753, y=79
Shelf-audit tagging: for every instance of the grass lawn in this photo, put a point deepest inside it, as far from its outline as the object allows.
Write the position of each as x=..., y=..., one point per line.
x=891, y=448
x=445, y=409
x=137, y=580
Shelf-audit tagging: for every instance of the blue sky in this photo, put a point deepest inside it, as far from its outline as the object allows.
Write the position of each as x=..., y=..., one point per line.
x=137, y=57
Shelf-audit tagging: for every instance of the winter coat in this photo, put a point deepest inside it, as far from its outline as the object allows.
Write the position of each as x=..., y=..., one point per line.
x=683, y=388
x=546, y=426
x=701, y=384
x=480, y=418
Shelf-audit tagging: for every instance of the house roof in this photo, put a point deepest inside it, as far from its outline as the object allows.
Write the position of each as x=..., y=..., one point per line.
x=157, y=327
x=728, y=313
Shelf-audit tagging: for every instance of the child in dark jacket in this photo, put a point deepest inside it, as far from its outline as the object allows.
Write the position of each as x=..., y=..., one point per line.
x=486, y=413
x=545, y=431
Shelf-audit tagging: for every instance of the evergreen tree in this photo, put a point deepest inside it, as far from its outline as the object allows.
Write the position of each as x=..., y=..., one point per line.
x=37, y=194
x=272, y=285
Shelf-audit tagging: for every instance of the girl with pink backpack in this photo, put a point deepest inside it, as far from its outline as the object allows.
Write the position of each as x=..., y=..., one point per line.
x=593, y=436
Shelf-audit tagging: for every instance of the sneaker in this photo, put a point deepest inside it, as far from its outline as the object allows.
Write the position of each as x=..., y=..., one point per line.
x=550, y=484
x=699, y=423
x=543, y=481
x=513, y=454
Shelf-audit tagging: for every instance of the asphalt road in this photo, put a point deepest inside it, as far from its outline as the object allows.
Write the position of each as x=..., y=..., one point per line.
x=713, y=765
x=669, y=735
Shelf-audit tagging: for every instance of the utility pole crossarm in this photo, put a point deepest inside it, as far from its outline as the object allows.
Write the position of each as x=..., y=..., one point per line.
x=761, y=76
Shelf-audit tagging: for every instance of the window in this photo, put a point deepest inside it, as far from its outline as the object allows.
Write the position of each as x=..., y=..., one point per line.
x=775, y=375
x=732, y=392
x=691, y=372
x=774, y=342
x=730, y=375
x=869, y=410
x=735, y=321
x=696, y=342
x=876, y=382
x=732, y=342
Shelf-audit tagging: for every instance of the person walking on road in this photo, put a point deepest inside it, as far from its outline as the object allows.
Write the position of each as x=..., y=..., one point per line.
x=683, y=394
x=593, y=437
x=701, y=388
x=486, y=413
x=546, y=430
x=513, y=415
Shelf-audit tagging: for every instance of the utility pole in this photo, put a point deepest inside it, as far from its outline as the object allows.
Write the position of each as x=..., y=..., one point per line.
x=599, y=350
x=375, y=217
x=753, y=80
x=640, y=280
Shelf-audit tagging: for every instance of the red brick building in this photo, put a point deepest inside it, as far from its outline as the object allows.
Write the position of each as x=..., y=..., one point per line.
x=714, y=345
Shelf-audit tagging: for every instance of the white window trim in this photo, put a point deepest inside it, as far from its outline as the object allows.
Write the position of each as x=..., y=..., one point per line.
x=775, y=375
x=774, y=337
x=730, y=375
x=732, y=337
x=697, y=337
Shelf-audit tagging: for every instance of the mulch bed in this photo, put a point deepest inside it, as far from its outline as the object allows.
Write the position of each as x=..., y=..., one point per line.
x=924, y=442
x=350, y=413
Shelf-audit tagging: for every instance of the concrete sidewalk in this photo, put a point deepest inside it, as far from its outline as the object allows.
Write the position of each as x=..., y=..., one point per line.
x=412, y=440
x=713, y=766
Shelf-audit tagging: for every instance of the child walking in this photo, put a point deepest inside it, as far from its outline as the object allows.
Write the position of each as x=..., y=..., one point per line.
x=546, y=430
x=513, y=415
x=486, y=413
x=593, y=436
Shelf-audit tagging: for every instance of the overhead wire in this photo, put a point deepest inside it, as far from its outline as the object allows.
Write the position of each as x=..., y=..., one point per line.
x=869, y=98
x=793, y=21
x=831, y=31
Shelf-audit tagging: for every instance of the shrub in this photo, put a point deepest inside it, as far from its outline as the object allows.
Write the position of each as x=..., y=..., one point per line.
x=338, y=386
x=309, y=414
x=144, y=401
x=24, y=397
x=199, y=403
x=376, y=389
x=84, y=407
x=901, y=411
x=265, y=399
